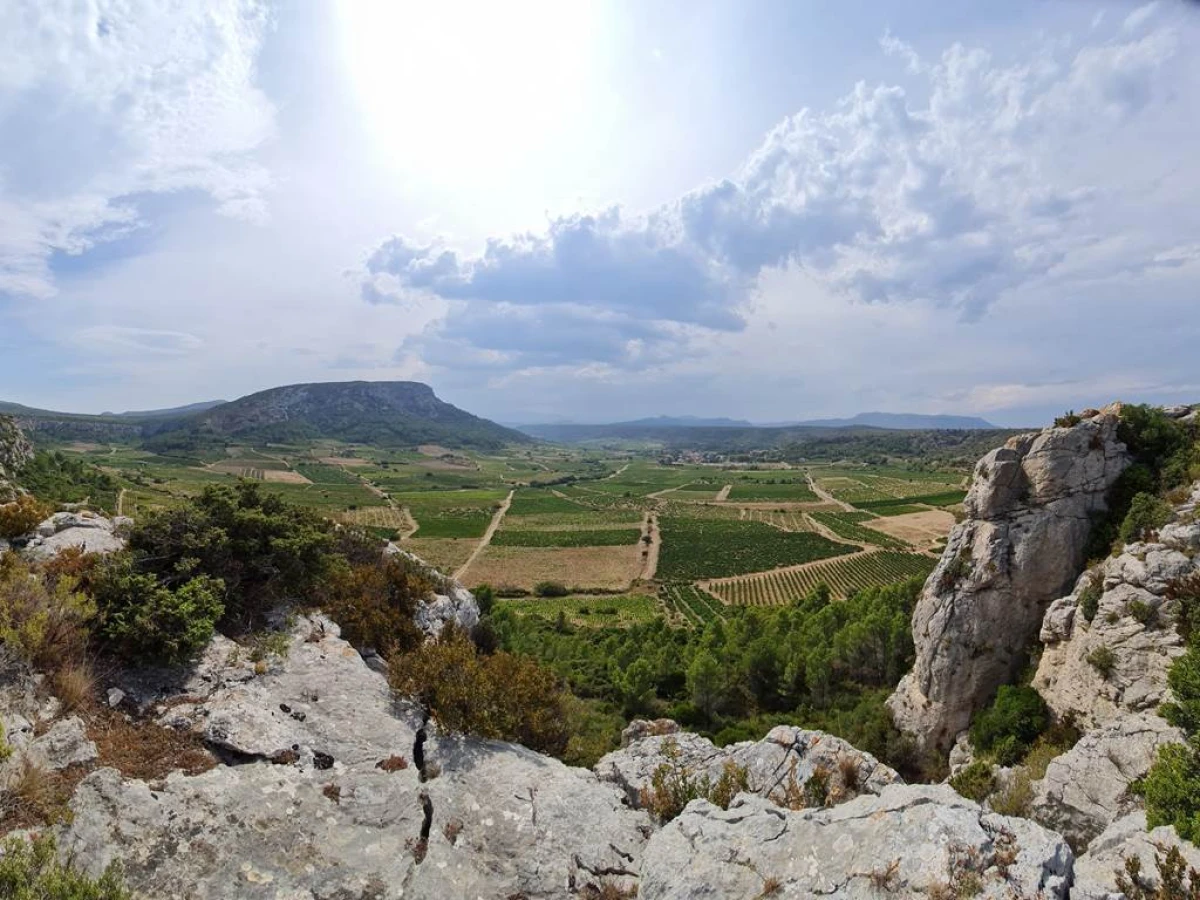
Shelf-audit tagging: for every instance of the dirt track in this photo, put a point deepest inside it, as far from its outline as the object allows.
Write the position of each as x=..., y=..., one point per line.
x=487, y=536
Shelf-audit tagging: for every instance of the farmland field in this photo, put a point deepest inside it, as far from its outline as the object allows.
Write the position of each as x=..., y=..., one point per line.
x=451, y=514
x=847, y=525
x=691, y=605
x=711, y=548
x=444, y=554
x=841, y=575
x=591, y=611
x=378, y=517
x=603, y=568
x=604, y=537
x=788, y=520
x=796, y=491
x=322, y=474
x=530, y=502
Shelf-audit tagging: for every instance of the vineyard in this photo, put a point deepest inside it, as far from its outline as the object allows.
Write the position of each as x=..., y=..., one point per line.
x=790, y=492
x=319, y=473
x=604, y=537
x=786, y=520
x=378, y=517
x=712, y=548
x=690, y=604
x=841, y=575
x=846, y=525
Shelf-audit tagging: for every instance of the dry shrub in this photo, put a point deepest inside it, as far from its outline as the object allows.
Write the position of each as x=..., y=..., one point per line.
x=45, y=623
x=771, y=887
x=1015, y=799
x=22, y=516
x=1175, y=881
x=500, y=696
x=392, y=764
x=374, y=604
x=74, y=684
x=146, y=750
x=34, y=796
x=452, y=829
x=332, y=792
x=673, y=785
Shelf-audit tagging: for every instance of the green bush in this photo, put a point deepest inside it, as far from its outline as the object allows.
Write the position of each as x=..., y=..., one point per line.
x=550, y=589
x=975, y=782
x=145, y=620
x=1172, y=790
x=1103, y=660
x=1089, y=597
x=30, y=870
x=1147, y=513
x=1184, y=679
x=1007, y=729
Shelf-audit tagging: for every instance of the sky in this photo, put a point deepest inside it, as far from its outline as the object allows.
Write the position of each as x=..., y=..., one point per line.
x=551, y=210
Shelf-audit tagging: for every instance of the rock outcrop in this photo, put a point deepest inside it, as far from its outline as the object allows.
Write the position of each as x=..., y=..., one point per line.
x=1117, y=663
x=334, y=789
x=1029, y=515
x=1089, y=787
x=907, y=841
x=1096, y=871
x=89, y=532
x=15, y=452
x=779, y=767
x=451, y=602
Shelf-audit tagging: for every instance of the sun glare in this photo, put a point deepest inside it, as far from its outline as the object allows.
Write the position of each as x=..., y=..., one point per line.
x=449, y=86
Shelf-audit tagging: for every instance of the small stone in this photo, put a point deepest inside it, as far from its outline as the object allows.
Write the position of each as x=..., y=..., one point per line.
x=115, y=696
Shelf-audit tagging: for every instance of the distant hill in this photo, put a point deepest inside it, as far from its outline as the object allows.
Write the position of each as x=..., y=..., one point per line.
x=898, y=421
x=167, y=413
x=385, y=413
x=686, y=422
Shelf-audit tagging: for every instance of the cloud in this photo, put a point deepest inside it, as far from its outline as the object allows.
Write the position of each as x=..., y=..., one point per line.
x=121, y=341
x=117, y=101
x=954, y=193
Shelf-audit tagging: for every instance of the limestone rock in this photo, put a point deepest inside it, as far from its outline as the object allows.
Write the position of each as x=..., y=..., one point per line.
x=1088, y=788
x=908, y=840
x=15, y=452
x=89, y=532
x=1095, y=871
x=65, y=744
x=451, y=602
x=1134, y=626
x=1028, y=520
x=778, y=767
x=326, y=798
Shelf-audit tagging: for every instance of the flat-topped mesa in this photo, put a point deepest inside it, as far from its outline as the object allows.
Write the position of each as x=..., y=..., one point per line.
x=1030, y=512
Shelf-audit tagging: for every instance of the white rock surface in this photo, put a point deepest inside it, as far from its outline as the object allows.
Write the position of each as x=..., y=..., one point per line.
x=451, y=603
x=1095, y=871
x=1088, y=788
x=778, y=767
x=903, y=842
x=1028, y=520
x=15, y=451
x=1134, y=584
x=88, y=532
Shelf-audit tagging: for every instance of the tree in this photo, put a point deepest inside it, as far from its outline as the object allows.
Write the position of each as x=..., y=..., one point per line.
x=637, y=687
x=704, y=683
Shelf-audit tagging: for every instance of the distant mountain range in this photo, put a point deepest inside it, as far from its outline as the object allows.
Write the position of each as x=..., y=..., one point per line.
x=167, y=413
x=897, y=421
x=382, y=413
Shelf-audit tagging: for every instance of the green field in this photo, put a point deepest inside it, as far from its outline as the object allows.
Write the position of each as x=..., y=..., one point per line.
x=714, y=548
x=841, y=575
x=604, y=537
x=598, y=611
x=690, y=604
x=319, y=473
x=945, y=498
x=846, y=525
x=529, y=502
x=451, y=514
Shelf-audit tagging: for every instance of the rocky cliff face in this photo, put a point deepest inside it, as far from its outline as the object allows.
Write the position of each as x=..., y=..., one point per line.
x=1132, y=623
x=15, y=451
x=1029, y=515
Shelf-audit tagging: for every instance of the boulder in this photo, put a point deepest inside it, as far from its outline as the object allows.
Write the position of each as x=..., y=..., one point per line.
x=1029, y=513
x=88, y=532
x=1117, y=663
x=1096, y=871
x=1088, y=788
x=65, y=744
x=451, y=602
x=778, y=767
x=905, y=841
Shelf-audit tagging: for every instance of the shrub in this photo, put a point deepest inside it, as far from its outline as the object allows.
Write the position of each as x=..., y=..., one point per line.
x=1069, y=419
x=46, y=624
x=1141, y=612
x=1147, y=513
x=498, y=696
x=674, y=785
x=30, y=870
x=146, y=621
x=263, y=549
x=22, y=516
x=1103, y=660
x=1089, y=596
x=1015, y=799
x=975, y=782
x=374, y=603
x=1008, y=727
x=550, y=589
x=1172, y=790
x=1175, y=881
x=1184, y=679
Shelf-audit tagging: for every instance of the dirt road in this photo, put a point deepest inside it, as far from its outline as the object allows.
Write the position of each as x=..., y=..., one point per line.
x=487, y=536
x=650, y=560
x=825, y=495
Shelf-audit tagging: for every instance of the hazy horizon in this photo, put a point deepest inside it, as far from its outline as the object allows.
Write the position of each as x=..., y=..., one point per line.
x=766, y=211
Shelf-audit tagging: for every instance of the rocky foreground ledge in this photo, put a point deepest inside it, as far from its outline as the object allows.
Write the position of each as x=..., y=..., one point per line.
x=323, y=786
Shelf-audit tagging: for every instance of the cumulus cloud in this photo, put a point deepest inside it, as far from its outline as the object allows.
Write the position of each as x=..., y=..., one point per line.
x=953, y=191
x=117, y=101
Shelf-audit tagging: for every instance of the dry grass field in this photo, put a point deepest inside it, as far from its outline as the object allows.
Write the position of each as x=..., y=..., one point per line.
x=607, y=568
x=444, y=554
x=919, y=529
x=280, y=476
